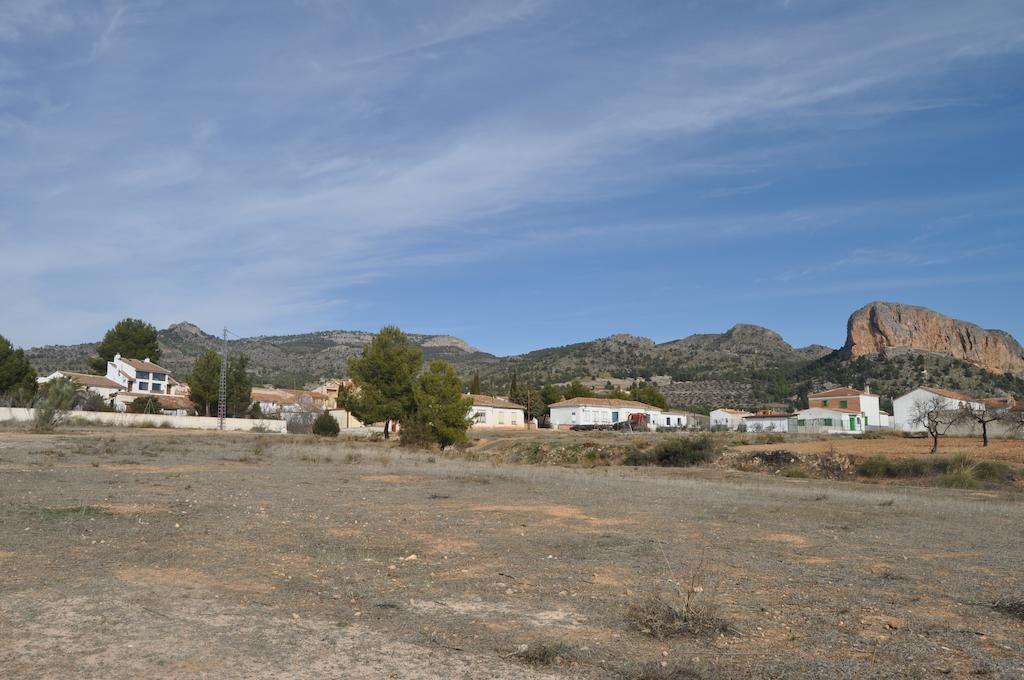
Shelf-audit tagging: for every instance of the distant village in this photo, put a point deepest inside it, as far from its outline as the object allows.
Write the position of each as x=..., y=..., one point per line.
x=841, y=410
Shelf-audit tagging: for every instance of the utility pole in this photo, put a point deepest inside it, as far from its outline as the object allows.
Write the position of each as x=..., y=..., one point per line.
x=222, y=400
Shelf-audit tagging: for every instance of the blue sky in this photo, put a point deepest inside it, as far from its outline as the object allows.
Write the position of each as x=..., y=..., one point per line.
x=517, y=173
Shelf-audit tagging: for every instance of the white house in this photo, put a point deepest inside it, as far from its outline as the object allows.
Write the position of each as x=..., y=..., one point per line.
x=142, y=377
x=495, y=413
x=819, y=420
x=594, y=411
x=99, y=384
x=280, y=400
x=903, y=407
x=768, y=422
x=678, y=419
x=728, y=418
x=849, y=399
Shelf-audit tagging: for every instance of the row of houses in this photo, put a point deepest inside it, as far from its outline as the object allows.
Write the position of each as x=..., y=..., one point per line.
x=845, y=410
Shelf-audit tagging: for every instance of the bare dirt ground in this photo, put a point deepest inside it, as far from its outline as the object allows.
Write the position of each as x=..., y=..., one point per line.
x=153, y=553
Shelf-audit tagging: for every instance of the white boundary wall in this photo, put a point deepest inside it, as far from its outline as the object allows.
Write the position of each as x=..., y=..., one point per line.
x=24, y=415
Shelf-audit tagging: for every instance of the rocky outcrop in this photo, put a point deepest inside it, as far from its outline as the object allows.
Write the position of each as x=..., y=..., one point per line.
x=884, y=326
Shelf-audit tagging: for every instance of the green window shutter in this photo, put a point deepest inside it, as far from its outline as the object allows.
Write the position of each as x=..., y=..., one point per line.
x=843, y=403
x=824, y=402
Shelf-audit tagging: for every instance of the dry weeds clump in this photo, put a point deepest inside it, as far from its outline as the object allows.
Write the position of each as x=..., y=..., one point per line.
x=1011, y=606
x=545, y=653
x=693, y=611
x=661, y=670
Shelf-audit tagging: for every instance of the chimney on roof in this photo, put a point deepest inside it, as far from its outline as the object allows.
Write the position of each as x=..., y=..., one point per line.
x=117, y=357
x=146, y=360
x=867, y=388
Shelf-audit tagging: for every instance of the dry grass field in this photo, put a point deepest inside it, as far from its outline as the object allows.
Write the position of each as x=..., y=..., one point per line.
x=1008, y=450
x=154, y=553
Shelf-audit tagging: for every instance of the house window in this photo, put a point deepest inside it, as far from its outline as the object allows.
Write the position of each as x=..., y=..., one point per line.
x=800, y=423
x=480, y=416
x=159, y=376
x=824, y=402
x=156, y=387
x=501, y=418
x=843, y=403
x=143, y=386
x=827, y=422
x=142, y=375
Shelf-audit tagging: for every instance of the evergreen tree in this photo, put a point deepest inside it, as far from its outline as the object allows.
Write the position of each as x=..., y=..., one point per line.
x=17, y=377
x=131, y=338
x=204, y=385
x=385, y=372
x=204, y=382
x=647, y=393
x=474, y=385
x=441, y=405
x=549, y=394
x=576, y=389
x=239, y=387
x=516, y=394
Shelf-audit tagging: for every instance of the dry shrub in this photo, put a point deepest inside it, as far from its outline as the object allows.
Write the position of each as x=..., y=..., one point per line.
x=662, y=617
x=662, y=670
x=1012, y=606
x=545, y=653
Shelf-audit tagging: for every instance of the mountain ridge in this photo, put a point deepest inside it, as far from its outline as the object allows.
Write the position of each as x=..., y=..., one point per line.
x=746, y=365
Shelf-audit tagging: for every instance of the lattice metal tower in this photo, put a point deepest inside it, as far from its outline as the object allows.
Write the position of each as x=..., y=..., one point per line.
x=222, y=400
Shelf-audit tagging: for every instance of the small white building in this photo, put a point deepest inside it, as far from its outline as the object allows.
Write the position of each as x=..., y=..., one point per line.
x=728, y=418
x=828, y=421
x=141, y=376
x=87, y=382
x=768, y=422
x=679, y=419
x=594, y=411
x=850, y=399
x=903, y=407
x=495, y=413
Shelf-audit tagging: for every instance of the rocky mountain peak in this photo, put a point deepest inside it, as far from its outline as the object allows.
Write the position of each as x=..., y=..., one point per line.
x=186, y=328
x=878, y=327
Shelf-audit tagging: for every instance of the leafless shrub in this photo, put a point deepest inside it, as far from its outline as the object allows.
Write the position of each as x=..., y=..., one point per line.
x=545, y=653
x=691, y=610
x=1013, y=606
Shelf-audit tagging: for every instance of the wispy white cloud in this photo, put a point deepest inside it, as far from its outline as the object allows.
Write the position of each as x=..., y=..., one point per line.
x=300, y=149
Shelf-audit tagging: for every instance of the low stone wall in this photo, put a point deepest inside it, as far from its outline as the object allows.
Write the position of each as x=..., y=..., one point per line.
x=25, y=415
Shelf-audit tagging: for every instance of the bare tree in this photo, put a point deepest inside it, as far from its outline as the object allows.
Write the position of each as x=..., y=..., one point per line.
x=936, y=417
x=1013, y=419
x=983, y=416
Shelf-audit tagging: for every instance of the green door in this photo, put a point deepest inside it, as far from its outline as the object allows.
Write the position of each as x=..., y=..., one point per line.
x=853, y=424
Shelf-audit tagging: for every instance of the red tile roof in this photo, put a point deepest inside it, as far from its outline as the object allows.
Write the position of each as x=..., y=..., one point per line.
x=495, y=402
x=90, y=380
x=959, y=396
x=610, y=403
x=840, y=392
x=140, y=365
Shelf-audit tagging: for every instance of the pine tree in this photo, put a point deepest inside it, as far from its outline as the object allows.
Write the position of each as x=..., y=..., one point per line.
x=132, y=338
x=239, y=387
x=204, y=382
x=385, y=372
x=474, y=385
x=441, y=405
x=17, y=377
